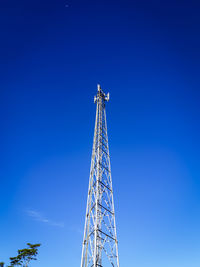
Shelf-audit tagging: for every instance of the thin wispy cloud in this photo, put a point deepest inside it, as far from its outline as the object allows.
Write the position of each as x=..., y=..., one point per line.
x=38, y=216
x=76, y=229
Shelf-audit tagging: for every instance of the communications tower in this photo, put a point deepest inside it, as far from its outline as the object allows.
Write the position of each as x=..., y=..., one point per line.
x=100, y=245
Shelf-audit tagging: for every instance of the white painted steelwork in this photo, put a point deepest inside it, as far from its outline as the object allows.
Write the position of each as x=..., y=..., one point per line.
x=100, y=246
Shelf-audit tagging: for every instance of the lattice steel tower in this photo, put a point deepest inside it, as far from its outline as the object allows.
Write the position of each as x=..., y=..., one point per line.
x=100, y=246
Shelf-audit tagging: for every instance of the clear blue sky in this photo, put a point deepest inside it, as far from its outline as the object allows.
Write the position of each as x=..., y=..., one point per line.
x=146, y=54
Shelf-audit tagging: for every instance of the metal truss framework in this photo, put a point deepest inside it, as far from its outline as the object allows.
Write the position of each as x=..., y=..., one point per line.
x=100, y=246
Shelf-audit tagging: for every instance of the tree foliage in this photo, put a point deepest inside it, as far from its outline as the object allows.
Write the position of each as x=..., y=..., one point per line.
x=25, y=256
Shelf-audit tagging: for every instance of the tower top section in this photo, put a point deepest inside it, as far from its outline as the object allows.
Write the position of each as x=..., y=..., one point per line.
x=101, y=95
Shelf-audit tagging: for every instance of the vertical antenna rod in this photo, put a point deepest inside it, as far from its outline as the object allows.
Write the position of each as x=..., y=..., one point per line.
x=100, y=246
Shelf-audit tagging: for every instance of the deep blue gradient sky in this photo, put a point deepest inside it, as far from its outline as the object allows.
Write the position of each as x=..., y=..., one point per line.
x=146, y=54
